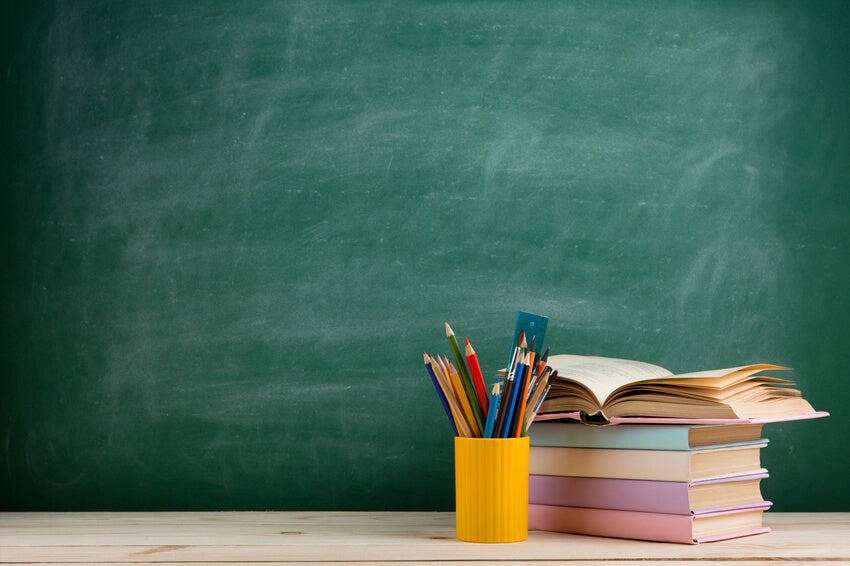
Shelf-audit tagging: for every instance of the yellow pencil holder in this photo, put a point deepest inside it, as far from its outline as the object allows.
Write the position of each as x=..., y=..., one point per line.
x=491, y=489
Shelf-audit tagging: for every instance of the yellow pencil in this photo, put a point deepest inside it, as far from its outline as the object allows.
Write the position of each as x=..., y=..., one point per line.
x=457, y=412
x=540, y=391
x=461, y=395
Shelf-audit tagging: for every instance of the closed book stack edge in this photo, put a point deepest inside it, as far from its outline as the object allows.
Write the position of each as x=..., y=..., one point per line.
x=647, y=481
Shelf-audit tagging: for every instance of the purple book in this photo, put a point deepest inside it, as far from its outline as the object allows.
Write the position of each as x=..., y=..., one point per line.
x=677, y=498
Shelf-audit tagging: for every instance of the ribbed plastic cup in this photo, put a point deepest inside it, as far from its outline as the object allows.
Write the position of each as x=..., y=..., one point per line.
x=491, y=489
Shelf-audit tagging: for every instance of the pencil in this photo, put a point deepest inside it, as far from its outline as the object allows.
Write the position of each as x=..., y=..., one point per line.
x=464, y=377
x=537, y=396
x=541, y=365
x=533, y=412
x=477, y=378
x=440, y=394
x=504, y=399
x=464, y=400
x=496, y=400
x=460, y=420
x=512, y=398
x=496, y=392
x=493, y=411
x=523, y=393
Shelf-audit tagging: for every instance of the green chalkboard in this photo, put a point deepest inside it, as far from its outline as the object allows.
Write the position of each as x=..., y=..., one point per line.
x=230, y=230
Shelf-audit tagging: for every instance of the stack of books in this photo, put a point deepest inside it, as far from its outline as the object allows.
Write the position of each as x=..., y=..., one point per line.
x=629, y=450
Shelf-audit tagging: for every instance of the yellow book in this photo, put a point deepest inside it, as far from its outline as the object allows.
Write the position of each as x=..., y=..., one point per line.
x=658, y=465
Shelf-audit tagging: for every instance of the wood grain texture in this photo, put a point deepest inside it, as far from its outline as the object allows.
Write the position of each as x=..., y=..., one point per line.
x=349, y=538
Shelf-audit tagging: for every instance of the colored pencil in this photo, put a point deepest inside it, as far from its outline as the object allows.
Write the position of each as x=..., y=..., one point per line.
x=539, y=402
x=541, y=365
x=493, y=411
x=509, y=399
x=440, y=394
x=464, y=377
x=496, y=399
x=501, y=409
x=523, y=394
x=465, y=401
x=477, y=378
x=536, y=397
x=460, y=419
x=494, y=395
x=512, y=398
x=533, y=412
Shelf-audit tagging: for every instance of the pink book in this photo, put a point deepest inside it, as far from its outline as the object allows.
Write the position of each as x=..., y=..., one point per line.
x=660, y=527
x=677, y=498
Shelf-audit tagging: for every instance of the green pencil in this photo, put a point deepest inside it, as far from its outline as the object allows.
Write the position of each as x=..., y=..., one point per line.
x=465, y=378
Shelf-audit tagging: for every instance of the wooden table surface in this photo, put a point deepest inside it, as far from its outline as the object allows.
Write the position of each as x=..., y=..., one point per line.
x=370, y=538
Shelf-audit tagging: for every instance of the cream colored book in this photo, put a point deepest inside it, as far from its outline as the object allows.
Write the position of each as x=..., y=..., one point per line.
x=659, y=465
x=601, y=388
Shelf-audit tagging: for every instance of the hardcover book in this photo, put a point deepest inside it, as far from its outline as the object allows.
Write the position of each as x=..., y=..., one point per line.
x=661, y=527
x=643, y=437
x=677, y=498
x=659, y=465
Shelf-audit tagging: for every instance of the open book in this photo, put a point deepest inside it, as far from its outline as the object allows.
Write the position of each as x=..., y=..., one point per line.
x=604, y=388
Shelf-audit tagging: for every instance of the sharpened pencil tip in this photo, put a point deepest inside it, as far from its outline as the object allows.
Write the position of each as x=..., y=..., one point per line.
x=449, y=331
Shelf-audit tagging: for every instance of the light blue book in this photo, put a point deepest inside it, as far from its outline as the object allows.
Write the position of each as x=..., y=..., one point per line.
x=644, y=436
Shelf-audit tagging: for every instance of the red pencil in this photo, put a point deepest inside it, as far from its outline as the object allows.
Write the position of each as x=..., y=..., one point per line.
x=477, y=378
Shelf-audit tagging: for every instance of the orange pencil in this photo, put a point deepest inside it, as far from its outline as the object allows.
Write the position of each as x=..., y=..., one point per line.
x=523, y=393
x=457, y=412
x=457, y=385
x=533, y=411
x=460, y=416
x=477, y=378
x=536, y=398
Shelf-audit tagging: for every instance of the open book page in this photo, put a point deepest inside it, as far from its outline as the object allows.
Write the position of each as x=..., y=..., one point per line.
x=603, y=375
x=719, y=378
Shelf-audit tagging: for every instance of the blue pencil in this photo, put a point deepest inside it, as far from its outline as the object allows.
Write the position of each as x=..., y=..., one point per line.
x=509, y=409
x=440, y=394
x=496, y=401
x=495, y=396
